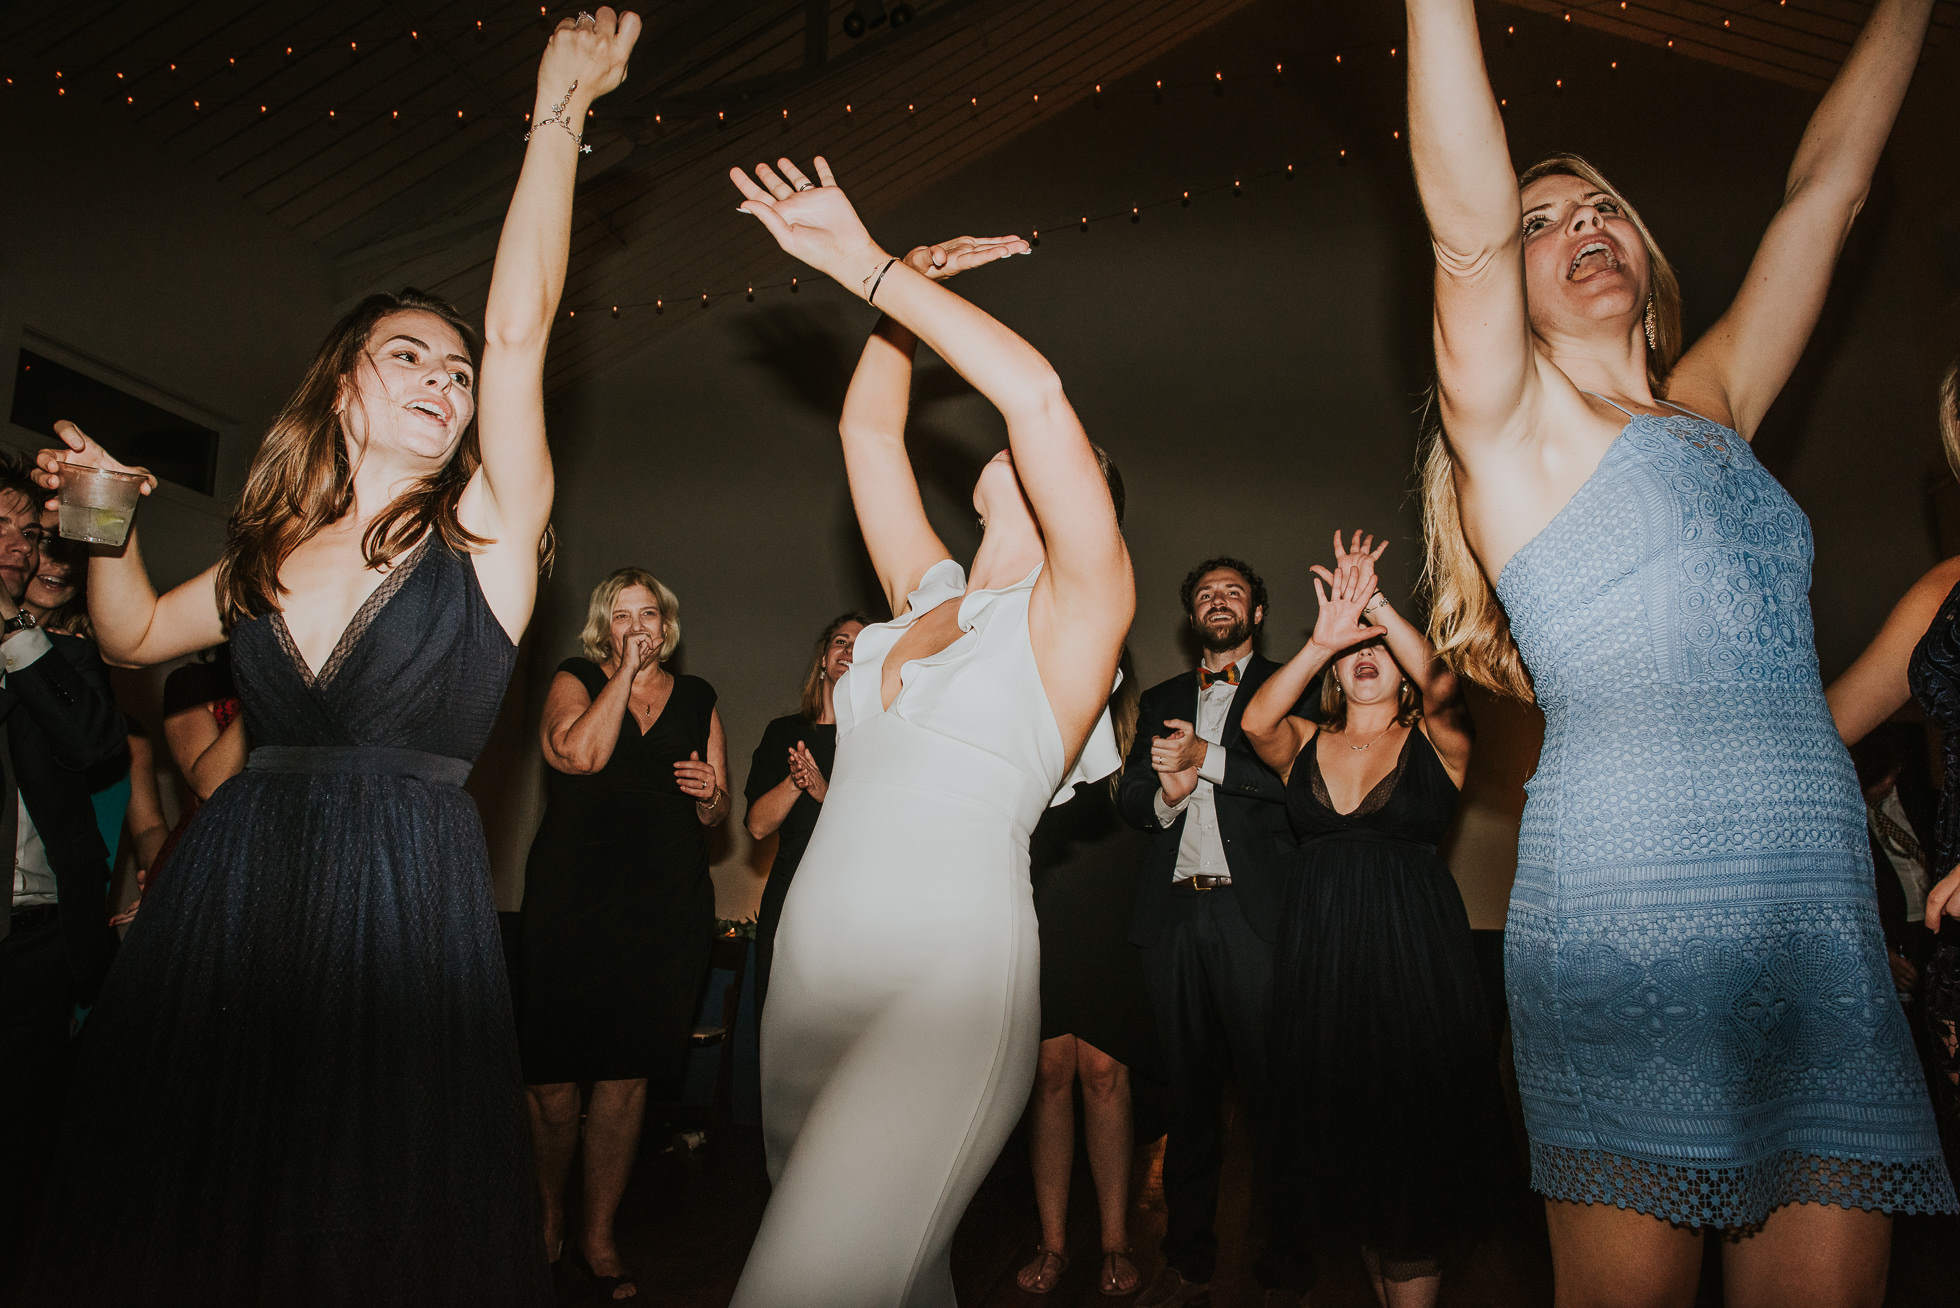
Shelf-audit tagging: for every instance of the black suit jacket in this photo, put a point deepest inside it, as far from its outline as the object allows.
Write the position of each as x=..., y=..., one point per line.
x=1259, y=844
x=60, y=720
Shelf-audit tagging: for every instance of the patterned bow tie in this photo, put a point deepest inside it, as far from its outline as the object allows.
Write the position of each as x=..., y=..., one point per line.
x=1229, y=674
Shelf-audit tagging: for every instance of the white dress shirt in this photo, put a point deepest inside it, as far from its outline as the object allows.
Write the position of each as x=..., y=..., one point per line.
x=34, y=882
x=1201, y=849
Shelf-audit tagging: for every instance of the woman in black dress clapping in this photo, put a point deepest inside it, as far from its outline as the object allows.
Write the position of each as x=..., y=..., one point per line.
x=788, y=777
x=1381, y=1051
x=619, y=911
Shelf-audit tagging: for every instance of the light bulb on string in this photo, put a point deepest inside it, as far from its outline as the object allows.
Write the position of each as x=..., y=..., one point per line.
x=615, y=311
x=793, y=284
x=1136, y=214
x=704, y=299
x=659, y=307
x=751, y=294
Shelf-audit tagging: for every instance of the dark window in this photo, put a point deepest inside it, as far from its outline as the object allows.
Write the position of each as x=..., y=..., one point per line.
x=134, y=431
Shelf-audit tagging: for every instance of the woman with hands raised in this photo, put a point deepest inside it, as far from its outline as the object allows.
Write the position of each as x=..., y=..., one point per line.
x=1385, y=1084
x=313, y=1003
x=899, y=1043
x=1695, y=832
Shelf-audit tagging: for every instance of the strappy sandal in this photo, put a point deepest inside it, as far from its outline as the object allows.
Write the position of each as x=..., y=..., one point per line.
x=1047, y=1267
x=1115, y=1262
x=603, y=1285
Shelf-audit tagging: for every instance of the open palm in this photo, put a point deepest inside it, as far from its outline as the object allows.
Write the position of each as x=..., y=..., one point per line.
x=812, y=220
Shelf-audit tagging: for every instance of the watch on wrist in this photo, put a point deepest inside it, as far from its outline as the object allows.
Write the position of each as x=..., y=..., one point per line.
x=22, y=621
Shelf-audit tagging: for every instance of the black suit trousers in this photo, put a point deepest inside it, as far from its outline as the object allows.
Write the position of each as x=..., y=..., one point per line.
x=1211, y=985
x=37, y=1002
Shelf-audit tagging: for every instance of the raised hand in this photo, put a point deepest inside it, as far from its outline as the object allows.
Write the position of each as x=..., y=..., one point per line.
x=951, y=258
x=635, y=653
x=813, y=221
x=1343, y=592
x=591, y=51
x=76, y=447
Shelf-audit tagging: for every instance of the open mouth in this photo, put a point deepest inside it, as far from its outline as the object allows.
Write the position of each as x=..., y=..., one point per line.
x=433, y=409
x=1365, y=671
x=1591, y=259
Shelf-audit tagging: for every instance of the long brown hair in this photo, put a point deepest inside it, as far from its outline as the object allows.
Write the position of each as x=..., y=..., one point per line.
x=301, y=482
x=1467, y=624
x=811, y=706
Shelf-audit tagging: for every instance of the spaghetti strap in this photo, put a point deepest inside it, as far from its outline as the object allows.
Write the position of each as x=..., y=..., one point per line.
x=1631, y=415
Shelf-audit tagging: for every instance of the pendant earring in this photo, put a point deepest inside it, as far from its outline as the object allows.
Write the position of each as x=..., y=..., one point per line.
x=1650, y=322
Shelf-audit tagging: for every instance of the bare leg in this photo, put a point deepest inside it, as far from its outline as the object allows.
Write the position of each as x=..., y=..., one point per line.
x=1810, y=1256
x=554, y=1138
x=1106, y=1124
x=612, y=1137
x=1608, y=1257
x=1051, y=1145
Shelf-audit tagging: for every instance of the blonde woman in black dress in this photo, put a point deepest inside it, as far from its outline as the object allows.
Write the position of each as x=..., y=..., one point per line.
x=619, y=911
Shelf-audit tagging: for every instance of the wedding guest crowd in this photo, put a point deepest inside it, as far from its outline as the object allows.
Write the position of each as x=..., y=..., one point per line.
x=335, y=1070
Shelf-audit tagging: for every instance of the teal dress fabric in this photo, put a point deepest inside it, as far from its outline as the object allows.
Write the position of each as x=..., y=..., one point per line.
x=1704, y=1024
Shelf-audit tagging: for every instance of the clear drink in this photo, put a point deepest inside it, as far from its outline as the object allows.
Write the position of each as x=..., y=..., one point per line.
x=98, y=504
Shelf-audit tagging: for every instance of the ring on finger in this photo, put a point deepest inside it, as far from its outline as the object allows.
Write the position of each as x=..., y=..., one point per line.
x=805, y=185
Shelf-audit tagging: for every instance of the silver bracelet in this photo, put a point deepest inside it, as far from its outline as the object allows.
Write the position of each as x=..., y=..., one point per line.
x=558, y=119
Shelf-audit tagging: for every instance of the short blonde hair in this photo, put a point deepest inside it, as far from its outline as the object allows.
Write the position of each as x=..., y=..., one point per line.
x=597, y=636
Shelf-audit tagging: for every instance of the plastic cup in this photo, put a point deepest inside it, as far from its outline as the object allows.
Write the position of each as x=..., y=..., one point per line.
x=98, y=504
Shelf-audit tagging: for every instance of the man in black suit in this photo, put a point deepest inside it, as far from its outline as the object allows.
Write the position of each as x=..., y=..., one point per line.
x=1206, y=910
x=56, y=720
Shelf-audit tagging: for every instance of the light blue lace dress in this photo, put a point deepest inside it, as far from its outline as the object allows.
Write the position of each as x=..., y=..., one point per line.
x=1704, y=1023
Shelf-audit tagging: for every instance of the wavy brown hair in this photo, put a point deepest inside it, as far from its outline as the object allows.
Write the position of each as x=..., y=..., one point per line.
x=301, y=480
x=1467, y=624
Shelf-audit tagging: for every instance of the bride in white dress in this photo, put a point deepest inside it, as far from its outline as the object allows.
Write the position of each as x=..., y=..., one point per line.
x=899, y=1043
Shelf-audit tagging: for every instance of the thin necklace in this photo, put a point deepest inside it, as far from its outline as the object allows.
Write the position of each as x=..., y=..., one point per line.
x=1378, y=735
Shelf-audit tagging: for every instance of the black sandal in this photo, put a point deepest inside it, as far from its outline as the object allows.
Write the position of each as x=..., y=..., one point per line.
x=605, y=1285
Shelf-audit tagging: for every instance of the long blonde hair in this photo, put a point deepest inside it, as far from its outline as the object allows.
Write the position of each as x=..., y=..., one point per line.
x=597, y=635
x=1467, y=624
x=1950, y=415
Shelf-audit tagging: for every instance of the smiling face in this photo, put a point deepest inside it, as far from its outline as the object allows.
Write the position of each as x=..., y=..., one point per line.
x=413, y=391
x=21, y=535
x=636, y=611
x=1368, y=675
x=1586, y=267
x=53, y=583
x=837, y=651
x=1222, y=612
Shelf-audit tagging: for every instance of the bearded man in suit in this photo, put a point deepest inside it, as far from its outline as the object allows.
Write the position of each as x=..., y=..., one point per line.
x=1206, y=910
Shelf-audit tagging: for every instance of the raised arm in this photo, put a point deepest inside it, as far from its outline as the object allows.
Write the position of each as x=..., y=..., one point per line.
x=1874, y=687
x=1743, y=361
x=1267, y=723
x=509, y=498
x=900, y=540
x=1445, y=717
x=1485, y=362
x=1088, y=563
x=579, y=731
x=134, y=627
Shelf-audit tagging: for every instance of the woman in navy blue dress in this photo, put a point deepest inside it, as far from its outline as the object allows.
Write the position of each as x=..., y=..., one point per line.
x=312, y=1005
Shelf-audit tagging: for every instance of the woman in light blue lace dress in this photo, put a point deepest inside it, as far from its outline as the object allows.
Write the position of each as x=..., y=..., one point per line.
x=1704, y=1027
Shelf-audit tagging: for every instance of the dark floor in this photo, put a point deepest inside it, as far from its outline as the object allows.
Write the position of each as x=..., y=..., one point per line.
x=689, y=1217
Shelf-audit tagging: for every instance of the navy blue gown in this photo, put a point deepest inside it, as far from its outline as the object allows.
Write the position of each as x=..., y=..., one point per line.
x=300, y=1085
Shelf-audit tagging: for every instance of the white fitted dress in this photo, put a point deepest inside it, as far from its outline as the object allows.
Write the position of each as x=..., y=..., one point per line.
x=904, y=1016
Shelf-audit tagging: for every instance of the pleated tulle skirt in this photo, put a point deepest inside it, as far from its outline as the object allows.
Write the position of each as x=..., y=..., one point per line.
x=300, y=1085
x=1384, y=1065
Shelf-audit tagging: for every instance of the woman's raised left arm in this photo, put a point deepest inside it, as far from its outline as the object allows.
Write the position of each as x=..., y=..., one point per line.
x=1740, y=366
x=509, y=499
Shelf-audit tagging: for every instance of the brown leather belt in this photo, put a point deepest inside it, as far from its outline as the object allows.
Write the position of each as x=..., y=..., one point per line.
x=1200, y=883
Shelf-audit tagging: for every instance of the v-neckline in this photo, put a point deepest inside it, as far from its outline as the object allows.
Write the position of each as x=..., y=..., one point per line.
x=1391, y=778
x=357, y=626
x=654, y=721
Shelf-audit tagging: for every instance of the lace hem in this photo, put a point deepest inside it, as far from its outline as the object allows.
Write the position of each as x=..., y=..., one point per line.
x=1742, y=1195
